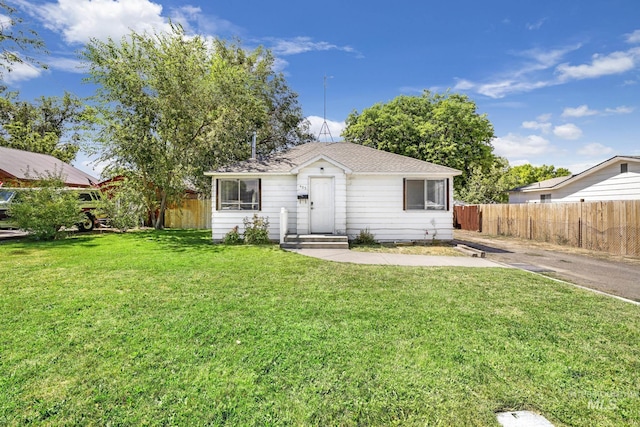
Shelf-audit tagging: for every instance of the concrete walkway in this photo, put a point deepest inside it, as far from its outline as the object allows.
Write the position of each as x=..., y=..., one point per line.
x=346, y=255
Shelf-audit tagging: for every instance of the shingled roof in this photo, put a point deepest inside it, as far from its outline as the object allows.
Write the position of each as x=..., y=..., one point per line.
x=27, y=166
x=358, y=159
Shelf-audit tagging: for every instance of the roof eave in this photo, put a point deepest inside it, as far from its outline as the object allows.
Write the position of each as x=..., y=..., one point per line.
x=214, y=173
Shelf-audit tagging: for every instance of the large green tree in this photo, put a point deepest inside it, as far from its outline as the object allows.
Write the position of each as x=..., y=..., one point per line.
x=441, y=128
x=492, y=186
x=518, y=176
x=486, y=186
x=49, y=125
x=173, y=106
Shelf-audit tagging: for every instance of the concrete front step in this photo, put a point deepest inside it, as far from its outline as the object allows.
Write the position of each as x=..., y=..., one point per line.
x=315, y=241
x=315, y=238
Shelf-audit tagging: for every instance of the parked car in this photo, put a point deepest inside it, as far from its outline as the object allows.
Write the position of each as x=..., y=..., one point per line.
x=89, y=200
x=6, y=196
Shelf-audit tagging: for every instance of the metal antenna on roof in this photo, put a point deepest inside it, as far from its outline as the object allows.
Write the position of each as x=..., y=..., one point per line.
x=324, y=129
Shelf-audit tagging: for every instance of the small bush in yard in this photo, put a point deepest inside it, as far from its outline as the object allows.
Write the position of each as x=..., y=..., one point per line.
x=256, y=230
x=46, y=210
x=233, y=237
x=122, y=207
x=365, y=238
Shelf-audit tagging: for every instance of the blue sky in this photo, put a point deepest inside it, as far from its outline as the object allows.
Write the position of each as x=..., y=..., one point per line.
x=560, y=80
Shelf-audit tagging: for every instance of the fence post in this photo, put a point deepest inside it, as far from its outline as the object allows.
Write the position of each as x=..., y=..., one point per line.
x=579, y=232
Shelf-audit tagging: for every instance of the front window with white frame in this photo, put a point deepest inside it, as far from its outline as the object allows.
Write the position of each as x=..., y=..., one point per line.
x=239, y=194
x=425, y=194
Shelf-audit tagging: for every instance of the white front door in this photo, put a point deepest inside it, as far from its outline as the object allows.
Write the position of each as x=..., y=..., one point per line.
x=321, y=205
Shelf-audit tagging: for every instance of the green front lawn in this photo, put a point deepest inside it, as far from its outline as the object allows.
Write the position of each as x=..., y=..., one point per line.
x=164, y=328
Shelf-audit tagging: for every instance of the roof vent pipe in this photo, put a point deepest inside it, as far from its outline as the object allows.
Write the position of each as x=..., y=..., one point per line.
x=253, y=145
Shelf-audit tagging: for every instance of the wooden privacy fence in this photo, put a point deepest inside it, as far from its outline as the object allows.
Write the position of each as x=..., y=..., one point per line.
x=467, y=217
x=191, y=213
x=608, y=226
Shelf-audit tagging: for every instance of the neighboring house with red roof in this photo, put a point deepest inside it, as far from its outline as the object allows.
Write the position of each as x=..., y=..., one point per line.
x=338, y=189
x=615, y=179
x=18, y=167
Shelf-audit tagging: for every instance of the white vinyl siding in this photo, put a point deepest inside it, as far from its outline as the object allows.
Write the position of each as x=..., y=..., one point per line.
x=375, y=202
x=606, y=184
x=278, y=191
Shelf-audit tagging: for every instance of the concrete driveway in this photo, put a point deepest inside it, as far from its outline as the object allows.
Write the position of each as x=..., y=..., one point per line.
x=596, y=270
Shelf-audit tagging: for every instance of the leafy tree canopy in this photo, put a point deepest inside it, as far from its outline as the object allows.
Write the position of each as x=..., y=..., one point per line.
x=526, y=174
x=13, y=40
x=445, y=129
x=486, y=186
x=492, y=186
x=172, y=107
x=50, y=125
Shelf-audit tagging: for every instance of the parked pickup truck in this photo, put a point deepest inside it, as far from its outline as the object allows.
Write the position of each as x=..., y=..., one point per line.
x=87, y=197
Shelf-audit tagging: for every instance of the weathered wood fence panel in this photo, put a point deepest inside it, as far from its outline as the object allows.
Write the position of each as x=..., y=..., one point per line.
x=467, y=217
x=608, y=226
x=191, y=213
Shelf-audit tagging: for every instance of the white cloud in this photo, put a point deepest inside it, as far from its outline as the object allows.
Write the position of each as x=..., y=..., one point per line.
x=81, y=20
x=623, y=109
x=633, y=37
x=584, y=111
x=500, y=89
x=541, y=59
x=299, y=45
x=601, y=65
x=522, y=79
x=279, y=64
x=536, y=25
x=545, y=127
x=518, y=146
x=5, y=22
x=567, y=131
x=335, y=128
x=206, y=24
x=67, y=64
x=581, y=111
x=544, y=117
x=595, y=149
x=463, y=84
x=535, y=70
x=20, y=71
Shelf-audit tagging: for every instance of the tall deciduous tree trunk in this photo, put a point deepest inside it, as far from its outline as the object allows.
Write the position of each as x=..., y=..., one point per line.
x=159, y=224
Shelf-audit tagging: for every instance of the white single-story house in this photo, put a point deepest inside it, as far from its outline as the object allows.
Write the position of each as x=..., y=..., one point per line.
x=615, y=179
x=337, y=188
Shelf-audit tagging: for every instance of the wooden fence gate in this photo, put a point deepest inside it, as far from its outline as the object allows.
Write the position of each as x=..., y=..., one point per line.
x=467, y=218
